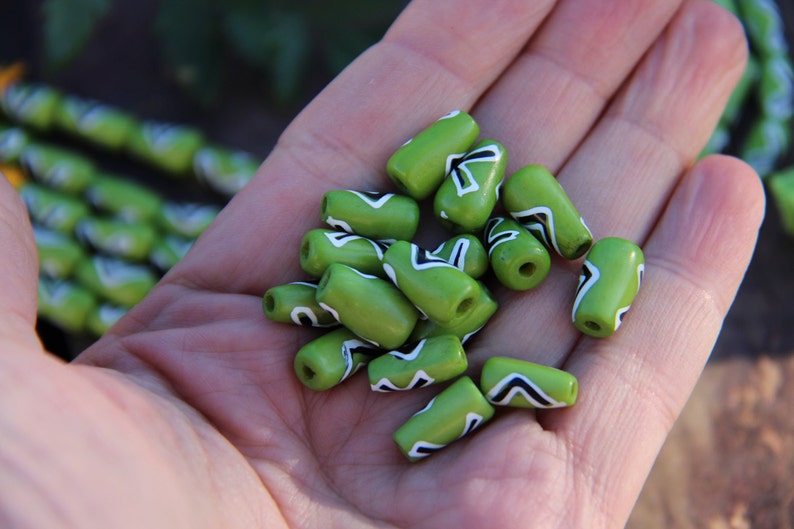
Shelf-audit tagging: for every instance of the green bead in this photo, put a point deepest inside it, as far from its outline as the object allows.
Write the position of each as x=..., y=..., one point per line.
x=118, y=238
x=52, y=210
x=519, y=261
x=13, y=141
x=58, y=253
x=464, y=252
x=468, y=195
x=64, y=303
x=371, y=307
x=455, y=412
x=332, y=358
x=378, y=216
x=95, y=122
x=776, y=87
x=609, y=282
x=764, y=26
x=123, y=198
x=419, y=166
x=296, y=303
x=223, y=170
x=443, y=293
x=166, y=146
x=169, y=250
x=103, y=317
x=320, y=248
x=464, y=329
x=522, y=384
x=766, y=141
x=417, y=365
x=32, y=105
x=187, y=219
x=538, y=202
x=118, y=281
x=781, y=190
x=59, y=169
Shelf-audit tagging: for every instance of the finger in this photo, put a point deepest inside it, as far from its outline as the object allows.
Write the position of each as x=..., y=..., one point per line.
x=633, y=385
x=554, y=92
x=437, y=57
x=19, y=263
x=621, y=176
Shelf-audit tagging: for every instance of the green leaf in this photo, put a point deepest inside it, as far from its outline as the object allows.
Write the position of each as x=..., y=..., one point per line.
x=189, y=33
x=293, y=44
x=67, y=27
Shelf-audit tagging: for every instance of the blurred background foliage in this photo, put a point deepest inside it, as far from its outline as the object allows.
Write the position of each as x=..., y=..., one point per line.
x=281, y=41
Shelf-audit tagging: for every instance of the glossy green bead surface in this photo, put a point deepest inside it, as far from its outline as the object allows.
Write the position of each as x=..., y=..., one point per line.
x=65, y=303
x=169, y=250
x=52, y=210
x=102, y=317
x=96, y=122
x=781, y=190
x=166, y=146
x=116, y=237
x=58, y=253
x=223, y=170
x=332, y=358
x=296, y=303
x=611, y=276
x=59, y=169
x=465, y=252
x=443, y=293
x=378, y=216
x=371, y=307
x=464, y=329
x=522, y=384
x=117, y=281
x=123, y=198
x=13, y=141
x=31, y=104
x=420, y=165
x=455, y=412
x=320, y=248
x=519, y=261
x=538, y=202
x=467, y=196
x=417, y=365
x=188, y=219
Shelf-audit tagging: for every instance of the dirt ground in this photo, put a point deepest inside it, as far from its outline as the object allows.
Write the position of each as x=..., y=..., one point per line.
x=729, y=463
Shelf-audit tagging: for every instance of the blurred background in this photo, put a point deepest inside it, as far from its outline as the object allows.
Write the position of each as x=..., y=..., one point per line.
x=238, y=71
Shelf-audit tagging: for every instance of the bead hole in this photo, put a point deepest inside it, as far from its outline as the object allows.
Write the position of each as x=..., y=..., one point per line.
x=308, y=372
x=324, y=208
x=527, y=269
x=306, y=249
x=593, y=326
x=270, y=303
x=464, y=306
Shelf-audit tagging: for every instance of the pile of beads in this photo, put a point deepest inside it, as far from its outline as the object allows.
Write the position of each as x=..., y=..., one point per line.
x=405, y=312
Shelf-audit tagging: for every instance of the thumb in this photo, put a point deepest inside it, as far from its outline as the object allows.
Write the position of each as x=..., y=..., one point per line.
x=19, y=266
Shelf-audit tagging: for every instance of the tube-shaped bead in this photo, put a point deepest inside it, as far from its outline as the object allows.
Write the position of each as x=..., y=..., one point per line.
x=464, y=329
x=417, y=365
x=34, y=105
x=519, y=261
x=467, y=196
x=166, y=146
x=224, y=170
x=98, y=123
x=455, y=412
x=611, y=276
x=116, y=280
x=465, y=252
x=123, y=198
x=332, y=358
x=59, y=169
x=65, y=303
x=321, y=248
x=296, y=303
x=443, y=293
x=116, y=237
x=538, y=202
x=419, y=166
x=371, y=307
x=52, y=210
x=522, y=384
x=58, y=253
x=378, y=216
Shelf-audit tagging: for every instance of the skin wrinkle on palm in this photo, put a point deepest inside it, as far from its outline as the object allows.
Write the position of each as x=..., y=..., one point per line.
x=219, y=433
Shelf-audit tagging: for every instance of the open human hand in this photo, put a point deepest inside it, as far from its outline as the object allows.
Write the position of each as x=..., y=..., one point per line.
x=188, y=414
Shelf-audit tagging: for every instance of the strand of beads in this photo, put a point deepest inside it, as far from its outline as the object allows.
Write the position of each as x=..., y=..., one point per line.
x=405, y=313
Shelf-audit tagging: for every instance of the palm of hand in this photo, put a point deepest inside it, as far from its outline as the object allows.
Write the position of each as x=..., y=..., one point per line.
x=208, y=425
